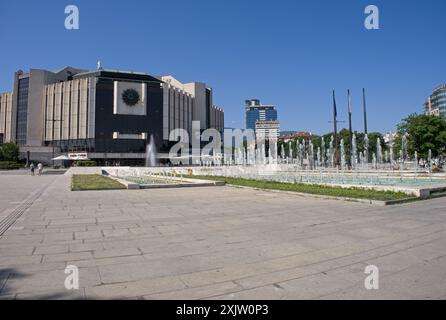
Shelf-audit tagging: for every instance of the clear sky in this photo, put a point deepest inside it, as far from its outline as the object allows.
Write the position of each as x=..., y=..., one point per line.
x=288, y=53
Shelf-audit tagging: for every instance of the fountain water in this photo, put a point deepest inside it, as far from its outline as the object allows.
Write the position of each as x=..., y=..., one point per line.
x=342, y=154
x=282, y=152
x=354, y=159
x=151, y=153
x=403, y=148
x=323, y=153
x=311, y=154
x=317, y=165
x=429, y=160
x=366, y=149
x=379, y=151
x=415, y=161
x=391, y=154
x=300, y=154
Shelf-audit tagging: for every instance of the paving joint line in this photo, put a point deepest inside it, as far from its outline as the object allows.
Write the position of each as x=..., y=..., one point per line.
x=18, y=211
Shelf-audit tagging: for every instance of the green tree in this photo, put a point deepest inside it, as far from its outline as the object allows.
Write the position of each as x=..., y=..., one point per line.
x=345, y=135
x=423, y=133
x=9, y=152
x=373, y=138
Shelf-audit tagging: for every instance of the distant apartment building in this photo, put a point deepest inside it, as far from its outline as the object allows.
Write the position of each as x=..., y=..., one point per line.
x=255, y=111
x=287, y=136
x=436, y=103
x=266, y=129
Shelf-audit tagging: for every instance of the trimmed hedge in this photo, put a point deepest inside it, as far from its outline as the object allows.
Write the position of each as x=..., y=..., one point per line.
x=10, y=165
x=86, y=163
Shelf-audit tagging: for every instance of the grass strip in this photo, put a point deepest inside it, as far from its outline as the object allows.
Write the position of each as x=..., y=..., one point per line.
x=81, y=182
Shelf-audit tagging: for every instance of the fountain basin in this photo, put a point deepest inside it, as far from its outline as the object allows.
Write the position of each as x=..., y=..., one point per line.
x=150, y=178
x=418, y=183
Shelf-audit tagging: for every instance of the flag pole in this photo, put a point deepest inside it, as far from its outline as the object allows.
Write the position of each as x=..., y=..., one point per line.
x=335, y=129
x=350, y=128
x=364, y=110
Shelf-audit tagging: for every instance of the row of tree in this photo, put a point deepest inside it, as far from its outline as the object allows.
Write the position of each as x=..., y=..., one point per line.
x=423, y=133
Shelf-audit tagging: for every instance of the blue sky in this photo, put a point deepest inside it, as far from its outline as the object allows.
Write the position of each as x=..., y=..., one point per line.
x=288, y=53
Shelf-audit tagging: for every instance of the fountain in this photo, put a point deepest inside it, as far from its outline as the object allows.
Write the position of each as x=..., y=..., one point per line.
x=403, y=148
x=303, y=162
x=311, y=155
x=151, y=153
x=342, y=154
x=429, y=160
x=391, y=158
x=366, y=149
x=379, y=151
x=331, y=152
x=354, y=159
x=415, y=161
x=323, y=151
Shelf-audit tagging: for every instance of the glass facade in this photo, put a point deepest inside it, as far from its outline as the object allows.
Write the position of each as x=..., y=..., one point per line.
x=438, y=100
x=22, y=111
x=151, y=123
x=253, y=114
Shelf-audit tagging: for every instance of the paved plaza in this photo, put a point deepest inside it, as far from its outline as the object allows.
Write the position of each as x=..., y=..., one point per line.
x=213, y=243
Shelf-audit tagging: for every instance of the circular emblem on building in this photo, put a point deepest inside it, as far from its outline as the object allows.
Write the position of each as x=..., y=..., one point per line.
x=130, y=97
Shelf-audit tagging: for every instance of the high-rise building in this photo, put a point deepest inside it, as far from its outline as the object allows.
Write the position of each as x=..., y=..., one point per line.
x=436, y=103
x=108, y=114
x=254, y=111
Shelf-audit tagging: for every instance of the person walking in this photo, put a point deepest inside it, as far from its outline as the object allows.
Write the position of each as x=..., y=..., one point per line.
x=40, y=168
x=31, y=167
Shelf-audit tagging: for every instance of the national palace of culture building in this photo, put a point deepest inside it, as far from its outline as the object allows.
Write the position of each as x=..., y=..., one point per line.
x=106, y=113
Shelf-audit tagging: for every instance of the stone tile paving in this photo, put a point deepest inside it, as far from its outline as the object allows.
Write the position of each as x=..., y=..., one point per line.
x=215, y=243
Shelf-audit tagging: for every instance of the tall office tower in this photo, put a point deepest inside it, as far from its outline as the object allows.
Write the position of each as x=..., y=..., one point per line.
x=257, y=112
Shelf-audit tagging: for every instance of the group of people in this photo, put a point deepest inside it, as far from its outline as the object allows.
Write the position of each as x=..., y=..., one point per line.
x=39, y=168
x=434, y=163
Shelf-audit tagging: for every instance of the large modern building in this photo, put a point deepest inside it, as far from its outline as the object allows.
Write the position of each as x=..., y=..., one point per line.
x=254, y=111
x=436, y=103
x=108, y=114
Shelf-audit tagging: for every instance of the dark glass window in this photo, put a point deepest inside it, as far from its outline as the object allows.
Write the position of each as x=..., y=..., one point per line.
x=22, y=111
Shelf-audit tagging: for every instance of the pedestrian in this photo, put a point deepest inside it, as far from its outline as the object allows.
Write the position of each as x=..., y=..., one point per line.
x=40, y=168
x=31, y=167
